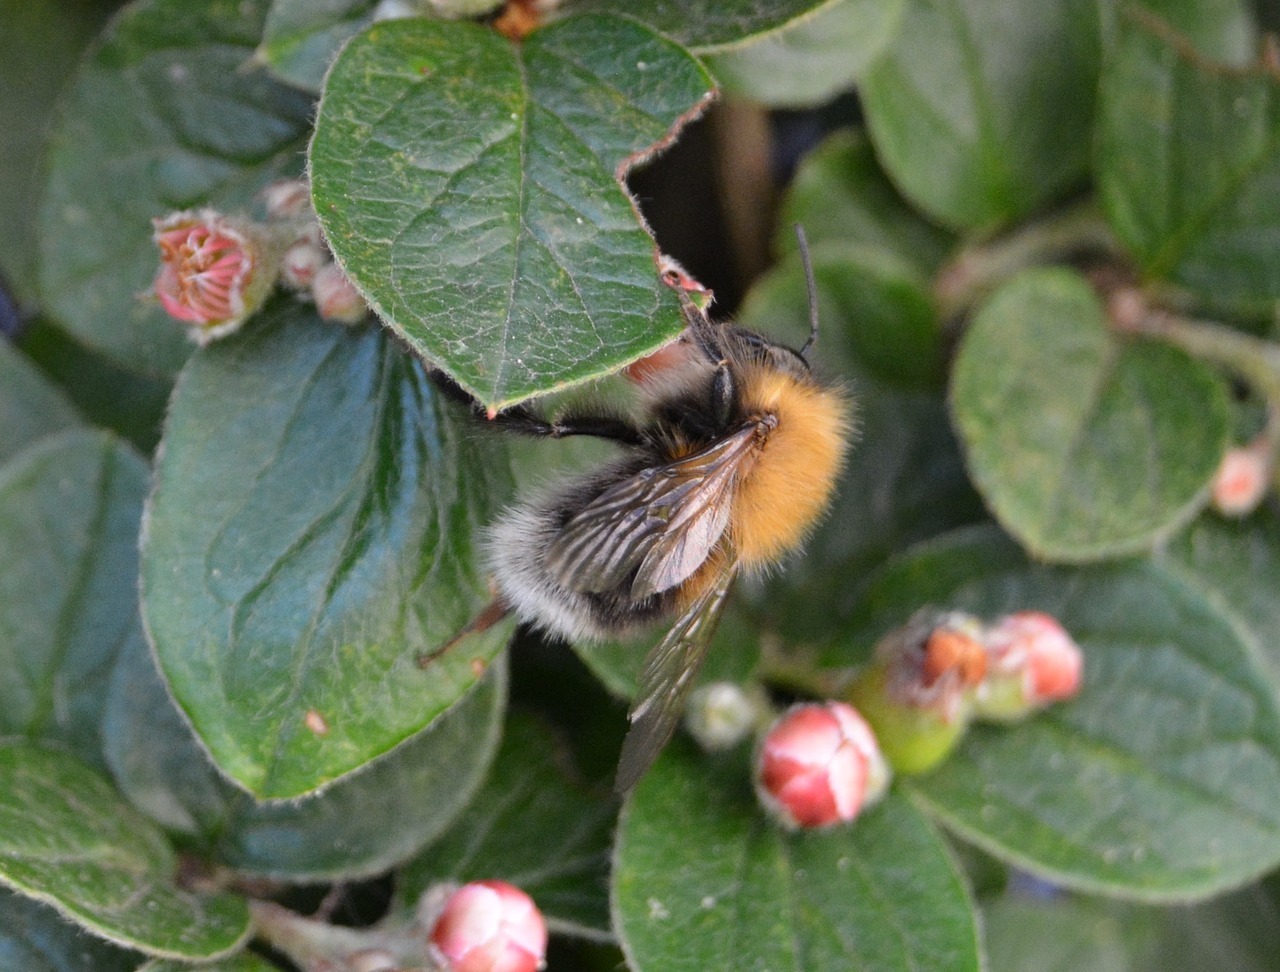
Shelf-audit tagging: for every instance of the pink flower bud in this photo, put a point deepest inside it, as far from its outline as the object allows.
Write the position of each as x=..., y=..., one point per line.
x=819, y=764
x=1033, y=662
x=918, y=692
x=336, y=299
x=210, y=271
x=1242, y=478
x=490, y=926
x=287, y=199
x=301, y=262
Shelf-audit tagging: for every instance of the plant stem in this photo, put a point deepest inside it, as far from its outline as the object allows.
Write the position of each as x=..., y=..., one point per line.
x=1254, y=359
x=980, y=268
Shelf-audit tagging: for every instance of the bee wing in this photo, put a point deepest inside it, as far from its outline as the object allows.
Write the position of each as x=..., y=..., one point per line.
x=661, y=522
x=668, y=674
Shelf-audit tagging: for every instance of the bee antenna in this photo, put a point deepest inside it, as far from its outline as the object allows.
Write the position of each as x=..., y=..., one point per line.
x=812, y=289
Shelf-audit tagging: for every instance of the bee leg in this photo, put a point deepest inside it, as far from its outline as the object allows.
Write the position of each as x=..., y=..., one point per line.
x=486, y=619
x=521, y=420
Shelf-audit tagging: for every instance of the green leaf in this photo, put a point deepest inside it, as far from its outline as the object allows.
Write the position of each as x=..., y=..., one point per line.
x=1083, y=445
x=840, y=194
x=69, y=513
x=705, y=26
x=1065, y=934
x=703, y=881
x=983, y=112
x=241, y=962
x=67, y=838
x=905, y=479
x=361, y=825
x=1159, y=781
x=39, y=43
x=1238, y=931
x=30, y=405
x=533, y=825
x=1222, y=30
x=310, y=537
x=1188, y=160
x=35, y=938
x=812, y=59
x=301, y=37
x=129, y=403
x=1237, y=564
x=470, y=189
x=163, y=114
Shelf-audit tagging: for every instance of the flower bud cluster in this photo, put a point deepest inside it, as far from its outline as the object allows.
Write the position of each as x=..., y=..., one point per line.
x=935, y=675
x=216, y=271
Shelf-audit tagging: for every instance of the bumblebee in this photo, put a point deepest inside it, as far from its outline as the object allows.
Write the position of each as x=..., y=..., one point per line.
x=735, y=461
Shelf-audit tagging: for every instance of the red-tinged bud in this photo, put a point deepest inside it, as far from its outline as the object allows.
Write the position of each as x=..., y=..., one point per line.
x=1033, y=662
x=1242, y=478
x=676, y=276
x=335, y=296
x=918, y=692
x=214, y=271
x=301, y=262
x=490, y=926
x=819, y=765
x=287, y=199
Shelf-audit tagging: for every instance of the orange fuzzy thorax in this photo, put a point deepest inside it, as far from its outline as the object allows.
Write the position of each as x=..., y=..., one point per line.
x=785, y=492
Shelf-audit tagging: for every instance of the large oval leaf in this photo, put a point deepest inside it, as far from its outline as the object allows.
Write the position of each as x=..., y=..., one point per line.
x=163, y=114
x=470, y=189
x=1188, y=159
x=704, y=881
x=35, y=938
x=1161, y=781
x=67, y=838
x=708, y=25
x=301, y=37
x=983, y=111
x=841, y=195
x=69, y=513
x=813, y=58
x=1083, y=445
x=30, y=405
x=1237, y=564
x=311, y=535
x=362, y=824
x=39, y=45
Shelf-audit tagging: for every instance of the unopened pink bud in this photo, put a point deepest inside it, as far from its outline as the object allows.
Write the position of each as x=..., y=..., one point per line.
x=819, y=765
x=1242, y=478
x=490, y=926
x=336, y=299
x=1033, y=662
x=287, y=199
x=301, y=262
x=210, y=271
